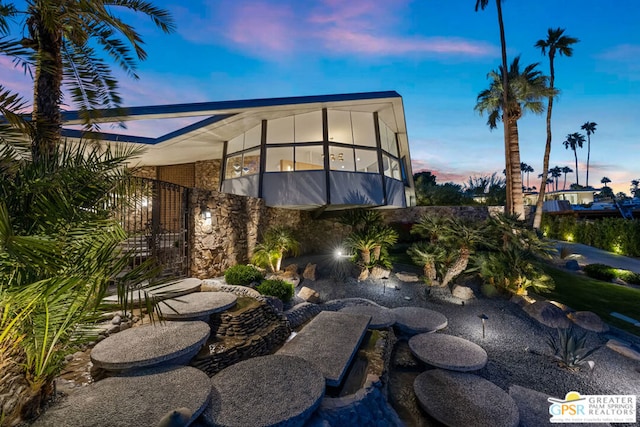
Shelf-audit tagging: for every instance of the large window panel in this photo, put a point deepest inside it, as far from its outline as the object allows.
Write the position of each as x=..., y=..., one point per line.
x=280, y=130
x=363, y=130
x=308, y=127
x=340, y=126
x=309, y=157
x=233, y=168
x=341, y=159
x=280, y=159
x=391, y=167
x=253, y=136
x=236, y=144
x=366, y=161
x=251, y=162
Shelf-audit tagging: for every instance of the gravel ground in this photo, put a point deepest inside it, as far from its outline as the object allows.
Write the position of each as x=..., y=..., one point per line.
x=515, y=343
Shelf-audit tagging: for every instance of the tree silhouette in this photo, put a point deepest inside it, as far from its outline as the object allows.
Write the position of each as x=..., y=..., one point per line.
x=605, y=180
x=589, y=128
x=565, y=171
x=556, y=172
x=574, y=141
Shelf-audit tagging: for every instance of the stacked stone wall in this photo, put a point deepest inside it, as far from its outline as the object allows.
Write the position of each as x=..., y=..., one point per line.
x=207, y=174
x=149, y=172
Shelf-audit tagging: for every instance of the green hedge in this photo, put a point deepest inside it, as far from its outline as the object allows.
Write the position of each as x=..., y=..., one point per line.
x=618, y=235
x=608, y=273
x=276, y=288
x=242, y=275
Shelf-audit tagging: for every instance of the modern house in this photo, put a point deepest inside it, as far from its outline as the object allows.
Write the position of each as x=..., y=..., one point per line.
x=327, y=152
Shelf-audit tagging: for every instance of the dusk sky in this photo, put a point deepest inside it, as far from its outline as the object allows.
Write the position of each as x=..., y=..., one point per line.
x=436, y=54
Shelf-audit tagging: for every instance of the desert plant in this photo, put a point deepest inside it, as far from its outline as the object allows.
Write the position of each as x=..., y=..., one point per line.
x=569, y=348
x=628, y=276
x=276, y=288
x=242, y=275
x=363, y=241
x=565, y=251
x=276, y=243
x=384, y=237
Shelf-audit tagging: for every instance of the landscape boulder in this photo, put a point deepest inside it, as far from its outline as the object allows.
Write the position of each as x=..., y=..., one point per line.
x=362, y=273
x=548, y=314
x=291, y=268
x=309, y=295
x=310, y=272
x=407, y=277
x=588, y=320
x=624, y=349
x=463, y=292
x=378, y=272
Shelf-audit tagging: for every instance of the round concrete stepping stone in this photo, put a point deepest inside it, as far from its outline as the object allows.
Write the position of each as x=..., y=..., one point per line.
x=198, y=305
x=266, y=391
x=417, y=320
x=448, y=352
x=381, y=317
x=463, y=399
x=160, y=292
x=150, y=345
x=138, y=400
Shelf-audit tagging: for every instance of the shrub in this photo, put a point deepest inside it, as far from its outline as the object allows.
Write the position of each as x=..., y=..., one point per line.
x=276, y=288
x=628, y=276
x=569, y=349
x=600, y=272
x=242, y=275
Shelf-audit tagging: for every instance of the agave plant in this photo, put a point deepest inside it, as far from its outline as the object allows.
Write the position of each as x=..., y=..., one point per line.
x=570, y=349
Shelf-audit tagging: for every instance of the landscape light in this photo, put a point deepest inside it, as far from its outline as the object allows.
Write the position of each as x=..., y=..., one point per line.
x=205, y=212
x=483, y=317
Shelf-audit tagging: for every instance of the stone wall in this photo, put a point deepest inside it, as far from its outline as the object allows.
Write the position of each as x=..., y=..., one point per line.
x=150, y=172
x=229, y=237
x=413, y=214
x=208, y=174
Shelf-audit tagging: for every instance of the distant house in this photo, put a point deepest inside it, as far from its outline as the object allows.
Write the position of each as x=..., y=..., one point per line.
x=574, y=197
x=327, y=152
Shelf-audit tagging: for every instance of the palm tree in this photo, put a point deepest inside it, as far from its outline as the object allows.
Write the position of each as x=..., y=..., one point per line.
x=556, y=172
x=276, y=242
x=605, y=180
x=526, y=89
x=556, y=42
x=589, y=128
x=565, y=171
x=528, y=170
x=510, y=205
x=634, y=187
x=60, y=49
x=574, y=141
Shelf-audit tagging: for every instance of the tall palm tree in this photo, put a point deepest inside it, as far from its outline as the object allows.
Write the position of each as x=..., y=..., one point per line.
x=556, y=42
x=526, y=89
x=565, y=171
x=528, y=170
x=510, y=205
x=589, y=128
x=60, y=48
x=574, y=141
x=605, y=180
x=556, y=172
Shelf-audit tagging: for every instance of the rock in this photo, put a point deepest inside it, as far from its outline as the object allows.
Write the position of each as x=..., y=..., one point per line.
x=291, y=268
x=407, y=298
x=124, y=326
x=519, y=300
x=378, y=272
x=310, y=272
x=176, y=418
x=463, y=292
x=624, y=349
x=547, y=314
x=290, y=277
x=407, y=277
x=68, y=357
x=572, y=265
x=362, y=273
x=588, y=320
x=309, y=295
x=113, y=329
x=116, y=320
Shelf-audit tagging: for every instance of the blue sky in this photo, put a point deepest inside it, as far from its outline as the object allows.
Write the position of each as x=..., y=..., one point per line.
x=436, y=54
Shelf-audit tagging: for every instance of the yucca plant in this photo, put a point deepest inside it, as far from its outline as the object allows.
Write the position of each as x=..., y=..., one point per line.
x=570, y=349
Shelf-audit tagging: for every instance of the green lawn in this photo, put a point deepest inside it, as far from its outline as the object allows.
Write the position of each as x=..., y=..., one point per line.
x=584, y=293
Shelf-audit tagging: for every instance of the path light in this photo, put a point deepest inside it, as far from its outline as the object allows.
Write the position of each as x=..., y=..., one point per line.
x=484, y=318
x=205, y=212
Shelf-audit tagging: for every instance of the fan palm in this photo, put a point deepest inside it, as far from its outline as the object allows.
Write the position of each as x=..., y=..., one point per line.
x=276, y=242
x=589, y=128
x=526, y=89
x=510, y=205
x=556, y=42
x=574, y=141
x=605, y=180
x=60, y=48
x=556, y=172
x=565, y=171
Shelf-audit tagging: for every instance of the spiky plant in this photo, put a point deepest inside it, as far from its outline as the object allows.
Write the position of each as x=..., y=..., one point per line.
x=569, y=348
x=276, y=243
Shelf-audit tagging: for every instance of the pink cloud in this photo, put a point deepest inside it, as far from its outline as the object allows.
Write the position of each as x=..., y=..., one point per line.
x=263, y=25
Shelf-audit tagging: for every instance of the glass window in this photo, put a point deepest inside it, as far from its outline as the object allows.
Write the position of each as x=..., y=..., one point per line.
x=391, y=167
x=251, y=162
x=279, y=159
x=340, y=126
x=253, y=136
x=233, y=167
x=341, y=158
x=366, y=161
x=309, y=157
x=363, y=131
x=236, y=144
x=308, y=127
x=280, y=130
